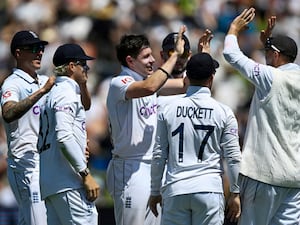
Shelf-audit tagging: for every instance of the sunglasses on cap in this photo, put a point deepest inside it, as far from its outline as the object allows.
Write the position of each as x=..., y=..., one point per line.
x=185, y=54
x=269, y=45
x=33, y=48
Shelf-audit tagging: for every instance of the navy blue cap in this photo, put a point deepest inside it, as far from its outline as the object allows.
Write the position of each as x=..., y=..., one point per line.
x=25, y=38
x=201, y=66
x=284, y=44
x=69, y=52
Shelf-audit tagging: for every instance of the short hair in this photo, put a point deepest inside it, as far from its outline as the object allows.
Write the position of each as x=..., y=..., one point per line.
x=131, y=45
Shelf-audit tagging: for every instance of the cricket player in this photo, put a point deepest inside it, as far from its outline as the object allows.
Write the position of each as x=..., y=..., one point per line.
x=270, y=167
x=194, y=134
x=68, y=188
x=22, y=97
x=132, y=110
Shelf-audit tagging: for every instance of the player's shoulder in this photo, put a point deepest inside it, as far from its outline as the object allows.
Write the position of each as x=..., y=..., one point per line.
x=224, y=109
x=121, y=80
x=12, y=80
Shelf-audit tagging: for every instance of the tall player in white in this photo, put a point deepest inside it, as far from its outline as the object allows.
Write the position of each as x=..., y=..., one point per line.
x=132, y=110
x=22, y=97
x=193, y=135
x=66, y=184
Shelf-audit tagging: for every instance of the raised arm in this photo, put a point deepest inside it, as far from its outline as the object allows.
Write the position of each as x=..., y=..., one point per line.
x=264, y=34
x=154, y=82
x=204, y=41
x=240, y=23
x=12, y=110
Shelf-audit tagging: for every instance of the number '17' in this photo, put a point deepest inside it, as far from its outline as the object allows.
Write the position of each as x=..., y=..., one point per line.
x=180, y=130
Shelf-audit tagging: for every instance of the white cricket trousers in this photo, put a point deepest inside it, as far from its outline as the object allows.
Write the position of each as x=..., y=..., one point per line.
x=205, y=208
x=26, y=188
x=71, y=208
x=128, y=182
x=264, y=204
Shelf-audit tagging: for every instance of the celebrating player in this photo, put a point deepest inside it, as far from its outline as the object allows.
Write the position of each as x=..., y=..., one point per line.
x=21, y=101
x=67, y=186
x=132, y=109
x=194, y=133
x=270, y=167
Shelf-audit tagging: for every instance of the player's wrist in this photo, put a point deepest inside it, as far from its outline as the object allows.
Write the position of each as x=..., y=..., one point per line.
x=84, y=173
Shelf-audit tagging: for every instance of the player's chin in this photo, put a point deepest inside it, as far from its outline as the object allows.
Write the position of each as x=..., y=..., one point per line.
x=149, y=71
x=37, y=64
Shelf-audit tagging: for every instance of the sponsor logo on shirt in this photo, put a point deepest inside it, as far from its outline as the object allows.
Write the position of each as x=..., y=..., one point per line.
x=29, y=90
x=6, y=94
x=126, y=80
x=147, y=111
x=36, y=110
x=63, y=109
x=256, y=70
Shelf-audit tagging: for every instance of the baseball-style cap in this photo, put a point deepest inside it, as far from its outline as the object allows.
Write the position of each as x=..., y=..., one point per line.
x=201, y=66
x=283, y=44
x=25, y=38
x=169, y=42
x=69, y=52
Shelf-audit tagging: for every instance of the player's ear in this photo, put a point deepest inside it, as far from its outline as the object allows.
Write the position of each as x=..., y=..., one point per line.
x=129, y=61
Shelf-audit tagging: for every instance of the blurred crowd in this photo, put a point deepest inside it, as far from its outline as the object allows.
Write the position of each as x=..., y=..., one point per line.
x=97, y=26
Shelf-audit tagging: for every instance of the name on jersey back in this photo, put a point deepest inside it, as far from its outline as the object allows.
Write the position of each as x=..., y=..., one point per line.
x=194, y=112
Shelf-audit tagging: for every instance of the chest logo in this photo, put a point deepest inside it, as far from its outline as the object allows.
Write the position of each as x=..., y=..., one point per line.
x=6, y=94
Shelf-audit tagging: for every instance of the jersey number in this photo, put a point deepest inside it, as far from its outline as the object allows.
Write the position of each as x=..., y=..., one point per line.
x=43, y=135
x=180, y=131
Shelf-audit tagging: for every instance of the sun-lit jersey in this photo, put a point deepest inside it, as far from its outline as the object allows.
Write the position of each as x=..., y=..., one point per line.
x=271, y=145
x=194, y=133
x=62, y=139
x=132, y=121
x=22, y=133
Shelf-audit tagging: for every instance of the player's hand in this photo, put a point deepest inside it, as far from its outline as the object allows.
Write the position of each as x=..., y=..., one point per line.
x=204, y=41
x=49, y=84
x=92, y=188
x=240, y=23
x=153, y=201
x=233, y=207
x=264, y=34
x=179, y=48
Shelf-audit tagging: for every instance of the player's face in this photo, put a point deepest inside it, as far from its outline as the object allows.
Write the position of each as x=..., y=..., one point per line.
x=30, y=56
x=271, y=57
x=143, y=63
x=80, y=72
x=181, y=62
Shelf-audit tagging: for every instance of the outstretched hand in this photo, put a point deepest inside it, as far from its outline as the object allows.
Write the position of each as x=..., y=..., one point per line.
x=264, y=34
x=179, y=48
x=240, y=23
x=204, y=41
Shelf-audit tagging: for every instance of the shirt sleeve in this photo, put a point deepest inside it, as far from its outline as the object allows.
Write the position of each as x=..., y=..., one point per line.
x=160, y=154
x=9, y=92
x=119, y=86
x=258, y=74
x=232, y=152
x=72, y=150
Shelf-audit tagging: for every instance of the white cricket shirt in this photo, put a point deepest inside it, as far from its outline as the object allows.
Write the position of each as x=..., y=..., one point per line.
x=62, y=140
x=194, y=133
x=132, y=121
x=272, y=143
x=22, y=133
